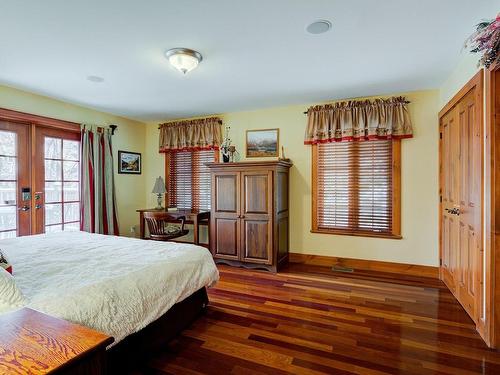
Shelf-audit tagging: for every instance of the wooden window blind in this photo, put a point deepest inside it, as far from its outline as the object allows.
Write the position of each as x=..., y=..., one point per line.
x=356, y=188
x=188, y=179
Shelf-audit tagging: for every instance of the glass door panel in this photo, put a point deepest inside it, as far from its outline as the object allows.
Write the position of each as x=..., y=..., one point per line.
x=15, y=207
x=60, y=183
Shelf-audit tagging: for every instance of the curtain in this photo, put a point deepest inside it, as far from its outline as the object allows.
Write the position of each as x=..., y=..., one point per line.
x=98, y=207
x=191, y=135
x=359, y=121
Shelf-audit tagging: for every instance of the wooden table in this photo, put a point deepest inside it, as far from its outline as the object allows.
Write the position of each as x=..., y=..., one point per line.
x=194, y=217
x=34, y=343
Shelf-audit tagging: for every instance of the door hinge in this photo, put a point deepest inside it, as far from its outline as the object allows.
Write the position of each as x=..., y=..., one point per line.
x=440, y=262
x=440, y=199
x=440, y=135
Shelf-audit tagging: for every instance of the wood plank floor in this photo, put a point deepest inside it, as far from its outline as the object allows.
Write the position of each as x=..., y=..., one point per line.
x=310, y=320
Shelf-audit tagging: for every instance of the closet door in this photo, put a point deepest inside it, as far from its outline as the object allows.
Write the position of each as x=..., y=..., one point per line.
x=469, y=215
x=461, y=183
x=450, y=184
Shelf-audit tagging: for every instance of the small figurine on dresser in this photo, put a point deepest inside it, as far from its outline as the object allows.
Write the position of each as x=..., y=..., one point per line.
x=283, y=155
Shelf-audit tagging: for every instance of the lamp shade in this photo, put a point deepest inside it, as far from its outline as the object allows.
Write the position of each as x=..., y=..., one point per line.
x=159, y=187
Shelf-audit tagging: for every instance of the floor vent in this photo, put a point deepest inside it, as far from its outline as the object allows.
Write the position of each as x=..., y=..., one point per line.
x=342, y=269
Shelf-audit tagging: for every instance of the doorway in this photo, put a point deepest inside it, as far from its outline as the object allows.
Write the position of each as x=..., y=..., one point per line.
x=39, y=175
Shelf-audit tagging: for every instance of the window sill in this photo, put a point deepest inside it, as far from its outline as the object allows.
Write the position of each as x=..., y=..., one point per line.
x=341, y=232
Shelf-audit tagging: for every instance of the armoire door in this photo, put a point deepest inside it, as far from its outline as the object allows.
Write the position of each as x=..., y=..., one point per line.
x=461, y=223
x=225, y=228
x=256, y=216
x=15, y=180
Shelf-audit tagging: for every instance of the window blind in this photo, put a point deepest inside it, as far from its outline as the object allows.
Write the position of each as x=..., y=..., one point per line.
x=354, y=189
x=189, y=179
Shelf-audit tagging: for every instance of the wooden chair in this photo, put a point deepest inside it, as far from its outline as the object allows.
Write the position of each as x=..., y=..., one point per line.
x=160, y=228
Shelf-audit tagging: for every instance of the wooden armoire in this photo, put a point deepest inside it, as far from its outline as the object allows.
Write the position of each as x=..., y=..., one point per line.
x=250, y=213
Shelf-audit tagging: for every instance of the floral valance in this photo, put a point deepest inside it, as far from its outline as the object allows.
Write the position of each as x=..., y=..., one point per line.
x=191, y=135
x=359, y=120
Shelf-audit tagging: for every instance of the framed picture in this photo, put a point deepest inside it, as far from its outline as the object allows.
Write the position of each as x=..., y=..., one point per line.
x=262, y=143
x=129, y=162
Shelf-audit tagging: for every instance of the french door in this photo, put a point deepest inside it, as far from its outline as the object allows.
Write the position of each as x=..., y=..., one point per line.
x=39, y=179
x=57, y=181
x=15, y=178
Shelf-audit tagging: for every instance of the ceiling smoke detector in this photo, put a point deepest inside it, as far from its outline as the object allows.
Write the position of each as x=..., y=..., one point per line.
x=95, y=79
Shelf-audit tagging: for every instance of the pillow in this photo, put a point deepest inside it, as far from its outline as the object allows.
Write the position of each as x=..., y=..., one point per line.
x=5, y=264
x=11, y=297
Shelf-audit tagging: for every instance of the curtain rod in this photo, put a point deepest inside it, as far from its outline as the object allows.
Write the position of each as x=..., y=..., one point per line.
x=100, y=129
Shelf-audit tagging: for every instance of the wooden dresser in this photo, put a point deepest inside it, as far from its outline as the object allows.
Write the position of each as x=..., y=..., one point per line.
x=249, y=217
x=35, y=343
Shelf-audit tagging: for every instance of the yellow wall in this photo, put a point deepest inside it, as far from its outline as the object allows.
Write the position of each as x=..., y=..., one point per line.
x=419, y=173
x=463, y=72
x=419, y=183
x=129, y=136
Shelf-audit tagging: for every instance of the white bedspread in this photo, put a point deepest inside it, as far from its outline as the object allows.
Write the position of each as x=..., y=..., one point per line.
x=116, y=285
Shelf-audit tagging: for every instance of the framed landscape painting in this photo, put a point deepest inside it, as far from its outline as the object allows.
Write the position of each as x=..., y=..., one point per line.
x=262, y=143
x=129, y=162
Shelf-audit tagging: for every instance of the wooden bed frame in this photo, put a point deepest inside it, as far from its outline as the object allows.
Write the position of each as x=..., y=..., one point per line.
x=138, y=347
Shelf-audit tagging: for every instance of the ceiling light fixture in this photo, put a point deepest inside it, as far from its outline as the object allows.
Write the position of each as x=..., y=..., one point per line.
x=319, y=27
x=183, y=59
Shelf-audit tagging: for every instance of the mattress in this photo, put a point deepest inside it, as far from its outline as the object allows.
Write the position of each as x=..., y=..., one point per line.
x=116, y=285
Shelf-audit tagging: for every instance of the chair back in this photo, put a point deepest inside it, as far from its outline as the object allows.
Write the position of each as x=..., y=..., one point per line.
x=157, y=224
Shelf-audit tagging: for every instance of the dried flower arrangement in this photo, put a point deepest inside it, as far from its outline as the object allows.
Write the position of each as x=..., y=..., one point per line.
x=486, y=40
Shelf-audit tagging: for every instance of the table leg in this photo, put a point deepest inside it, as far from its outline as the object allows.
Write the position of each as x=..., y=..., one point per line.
x=195, y=230
x=209, y=233
x=141, y=226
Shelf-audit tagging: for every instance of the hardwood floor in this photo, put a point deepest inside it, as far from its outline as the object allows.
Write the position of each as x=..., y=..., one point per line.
x=310, y=320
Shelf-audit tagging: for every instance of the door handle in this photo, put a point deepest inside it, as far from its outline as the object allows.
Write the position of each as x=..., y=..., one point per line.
x=453, y=211
x=24, y=208
x=38, y=206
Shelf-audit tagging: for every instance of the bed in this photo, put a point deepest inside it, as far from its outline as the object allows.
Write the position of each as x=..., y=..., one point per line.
x=117, y=285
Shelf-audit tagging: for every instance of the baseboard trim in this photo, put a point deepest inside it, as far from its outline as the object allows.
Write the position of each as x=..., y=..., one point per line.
x=367, y=265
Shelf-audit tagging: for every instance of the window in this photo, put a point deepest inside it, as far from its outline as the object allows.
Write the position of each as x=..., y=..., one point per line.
x=188, y=179
x=356, y=188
